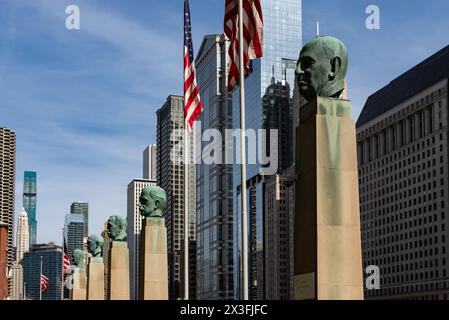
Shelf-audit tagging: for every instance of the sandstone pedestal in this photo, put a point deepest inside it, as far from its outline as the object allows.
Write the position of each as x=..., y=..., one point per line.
x=95, y=279
x=79, y=291
x=118, y=284
x=328, y=258
x=153, y=260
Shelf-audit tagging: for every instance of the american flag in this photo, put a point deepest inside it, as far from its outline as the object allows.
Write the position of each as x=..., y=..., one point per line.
x=193, y=105
x=252, y=34
x=44, y=283
x=66, y=261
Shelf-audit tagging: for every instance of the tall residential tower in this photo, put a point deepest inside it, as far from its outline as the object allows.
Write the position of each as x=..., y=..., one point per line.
x=29, y=202
x=7, y=187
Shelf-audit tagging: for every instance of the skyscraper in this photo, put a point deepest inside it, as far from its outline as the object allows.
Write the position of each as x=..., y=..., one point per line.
x=74, y=232
x=79, y=207
x=279, y=232
x=7, y=189
x=282, y=43
x=23, y=236
x=149, y=163
x=52, y=268
x=22, y=247
x=134, y=228
x=29, y=202
x=3, y=260
x=403, y=155
x=277, y=115
x=170, y=177
x=215, y=267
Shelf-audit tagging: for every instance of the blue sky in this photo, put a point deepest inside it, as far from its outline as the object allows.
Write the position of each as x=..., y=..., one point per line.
x=83, y=102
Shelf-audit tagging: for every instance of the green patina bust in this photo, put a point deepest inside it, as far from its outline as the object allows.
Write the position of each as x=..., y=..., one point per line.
x=116, y=228
x=78, y=258
x=321, y=68
x=152, y=202
x=95, y=245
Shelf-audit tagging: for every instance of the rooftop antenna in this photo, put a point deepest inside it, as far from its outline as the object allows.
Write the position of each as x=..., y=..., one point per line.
x=317, y=28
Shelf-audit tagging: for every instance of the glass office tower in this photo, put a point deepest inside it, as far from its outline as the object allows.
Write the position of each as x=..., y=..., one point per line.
x=29, y=202
x=282, y=43
x=214, y=267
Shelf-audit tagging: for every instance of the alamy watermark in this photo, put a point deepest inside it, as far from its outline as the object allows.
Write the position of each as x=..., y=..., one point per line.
x=373, y=20
x=73, y=21
x=223, y=147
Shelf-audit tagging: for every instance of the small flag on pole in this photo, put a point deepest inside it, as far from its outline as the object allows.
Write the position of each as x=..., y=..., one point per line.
x=252, y=34
x=193, y=105
x=66, y=262
x=44, y=283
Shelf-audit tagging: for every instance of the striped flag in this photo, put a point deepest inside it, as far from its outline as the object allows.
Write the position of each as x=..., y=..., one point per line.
x=252, y=34
x=66, y=261
x=44, y=283
x=193, y=105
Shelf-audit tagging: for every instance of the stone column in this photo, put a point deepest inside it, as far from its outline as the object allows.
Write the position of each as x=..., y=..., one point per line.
x=95, y=279
x=79, y=291
x=328, y=255
x=153, y=260
x=118, y=281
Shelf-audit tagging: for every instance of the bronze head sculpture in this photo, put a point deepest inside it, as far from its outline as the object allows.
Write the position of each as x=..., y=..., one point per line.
x=95, y=245
x=116, y=228
x=321, y=68
x=152, y=202
x=78, y=258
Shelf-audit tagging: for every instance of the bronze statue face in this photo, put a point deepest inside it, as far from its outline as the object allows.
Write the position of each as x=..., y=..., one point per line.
x=78, y=258
x=152, y=202
x=95, y=245
x=321, y=68
x=147, y=205
x=116, y=228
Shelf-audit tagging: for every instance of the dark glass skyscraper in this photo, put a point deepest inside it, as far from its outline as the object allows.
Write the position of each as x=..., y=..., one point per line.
x=215, y=267
x=82, y=208
x=74, y=232
x=52, y=268
x=29, y=202
x=282, y=43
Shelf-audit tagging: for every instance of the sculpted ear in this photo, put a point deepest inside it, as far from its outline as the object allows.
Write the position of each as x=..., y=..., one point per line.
x=156, y=203
x=335, y=68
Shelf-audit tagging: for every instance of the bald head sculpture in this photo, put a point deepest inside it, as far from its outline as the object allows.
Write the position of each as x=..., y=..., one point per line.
x=321, y=68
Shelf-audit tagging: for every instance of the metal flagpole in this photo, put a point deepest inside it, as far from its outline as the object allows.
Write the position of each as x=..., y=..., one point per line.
x=186, y=210
x=243, y=158
x=40, y=283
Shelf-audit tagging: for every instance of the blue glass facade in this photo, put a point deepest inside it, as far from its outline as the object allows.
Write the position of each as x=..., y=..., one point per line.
x=282, y=43
x=214, y=267
x=74, y=232
x=29, y=202
x=52, y=268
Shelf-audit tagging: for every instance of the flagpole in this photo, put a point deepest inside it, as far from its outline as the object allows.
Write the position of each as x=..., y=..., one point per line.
x=186, y=210
x=40, y=283
x=62, y=266
x=243, y=158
